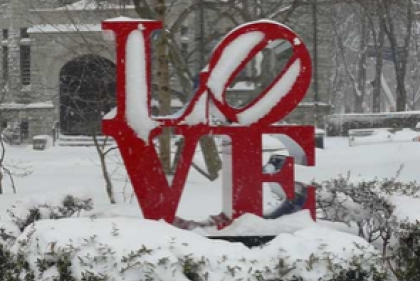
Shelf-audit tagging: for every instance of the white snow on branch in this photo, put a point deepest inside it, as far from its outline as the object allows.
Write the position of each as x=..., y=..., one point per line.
x=121, y=18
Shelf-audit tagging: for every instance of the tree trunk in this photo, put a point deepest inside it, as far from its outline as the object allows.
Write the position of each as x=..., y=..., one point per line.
x=399, y=53
x=358, y=103
x=163, y=93
x=379, y=46
x=401, y=95
x=211, y=156
x=354, y=78
x=1, y=182
x=361, y=75
x=104, y=168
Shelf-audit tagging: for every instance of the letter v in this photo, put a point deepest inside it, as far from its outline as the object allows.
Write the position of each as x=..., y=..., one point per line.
x=157, y=198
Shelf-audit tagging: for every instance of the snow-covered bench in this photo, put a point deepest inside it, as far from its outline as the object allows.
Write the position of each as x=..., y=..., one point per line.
x=40, y=142
x=357, y=133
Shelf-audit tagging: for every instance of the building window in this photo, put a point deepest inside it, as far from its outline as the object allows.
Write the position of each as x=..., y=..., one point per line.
x=184, y=30
x=25, y=57
x=24, y=129
x=24, y=33
x=5, y=59
x=5, y=34
x=184, y=50
x=25, y=64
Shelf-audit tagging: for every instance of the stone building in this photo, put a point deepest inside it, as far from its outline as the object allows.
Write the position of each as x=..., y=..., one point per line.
x=55, y=62
x=56, y=67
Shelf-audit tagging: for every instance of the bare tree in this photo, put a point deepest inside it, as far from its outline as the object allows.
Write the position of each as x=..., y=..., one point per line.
x=371, y=12
x=378, y=35
x=351, y=36
x=216, y=18
x=384, y=29
x=398, y=26
x=414, y=74
x=86, y=83
x=163, y=92
x=168, y=55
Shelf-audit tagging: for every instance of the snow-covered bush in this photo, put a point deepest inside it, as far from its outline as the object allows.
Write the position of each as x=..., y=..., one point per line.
x=22, y=215
x=403, y=259
x=69, y=206
x=54, y=247
x=82, y=249
x=366, y=204
x=369, y=205
x=14, y=265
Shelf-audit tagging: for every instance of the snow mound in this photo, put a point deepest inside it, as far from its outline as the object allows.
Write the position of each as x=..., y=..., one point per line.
x=253, y=225
x=128, y=249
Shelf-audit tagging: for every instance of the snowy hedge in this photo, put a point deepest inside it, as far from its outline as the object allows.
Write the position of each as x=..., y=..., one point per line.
x=132, y=249
x=340, y=124
x=54, y=242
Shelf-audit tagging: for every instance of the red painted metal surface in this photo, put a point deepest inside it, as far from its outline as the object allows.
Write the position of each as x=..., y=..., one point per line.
x=158, y=199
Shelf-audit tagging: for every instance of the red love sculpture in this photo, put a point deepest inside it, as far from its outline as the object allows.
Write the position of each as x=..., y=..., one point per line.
x=133, y=126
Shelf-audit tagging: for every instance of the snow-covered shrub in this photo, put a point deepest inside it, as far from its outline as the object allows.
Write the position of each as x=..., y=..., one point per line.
x=85, y=249
x=23, y=214
x=14, y=267
x=60, y=261
x=8, y=232
x=68, y=207
x=364, y=204
x=133, y=249
x=369, y=205
x=404, y=257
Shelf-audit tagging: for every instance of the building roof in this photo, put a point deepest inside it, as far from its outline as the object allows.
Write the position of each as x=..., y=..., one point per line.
x=60, y=28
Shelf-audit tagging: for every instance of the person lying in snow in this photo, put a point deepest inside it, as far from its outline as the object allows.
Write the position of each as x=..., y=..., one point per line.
x=287, y=206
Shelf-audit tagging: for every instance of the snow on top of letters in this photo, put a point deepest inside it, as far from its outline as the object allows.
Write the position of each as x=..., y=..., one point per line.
x=232, y=57
x=111, y=114
x=137, y=105
x=199, y=114
x=122, y=18
x=273, y=96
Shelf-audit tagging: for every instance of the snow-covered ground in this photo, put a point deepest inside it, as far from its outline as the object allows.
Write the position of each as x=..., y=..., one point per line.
x=62, y=170
x=58, y=171
x=377, y=156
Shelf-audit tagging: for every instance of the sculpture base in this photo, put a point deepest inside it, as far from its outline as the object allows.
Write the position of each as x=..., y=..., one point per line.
x=249, y=241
